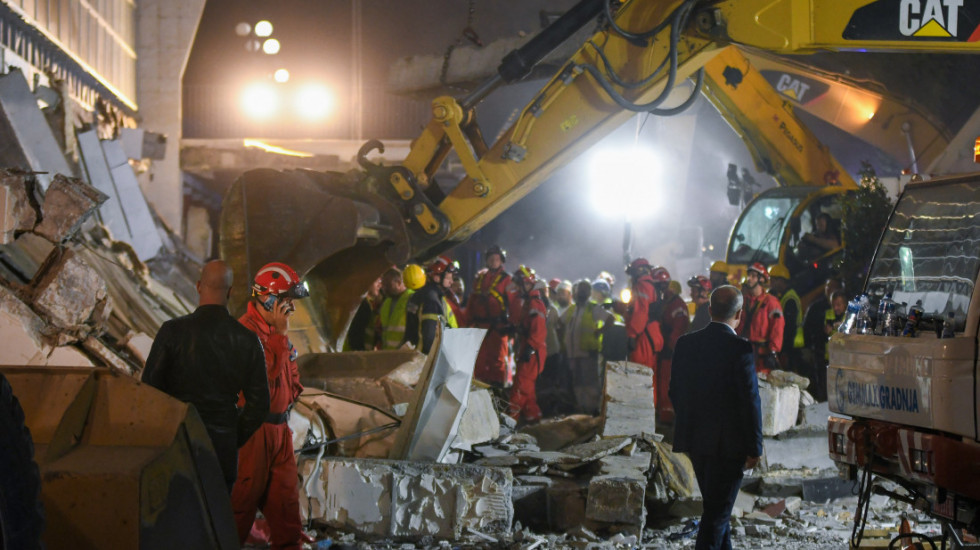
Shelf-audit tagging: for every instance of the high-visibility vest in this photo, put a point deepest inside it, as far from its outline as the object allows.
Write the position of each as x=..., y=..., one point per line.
x=447, y=318
x=587, y=329
x=393, y=320
x=792, y=295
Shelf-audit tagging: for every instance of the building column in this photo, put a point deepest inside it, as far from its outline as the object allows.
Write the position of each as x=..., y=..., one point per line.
x=165, y=31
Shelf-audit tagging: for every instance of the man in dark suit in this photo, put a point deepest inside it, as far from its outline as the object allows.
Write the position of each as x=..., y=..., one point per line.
x=718, y=421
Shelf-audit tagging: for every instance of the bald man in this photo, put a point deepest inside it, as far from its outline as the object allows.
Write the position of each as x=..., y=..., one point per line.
x=206, y=359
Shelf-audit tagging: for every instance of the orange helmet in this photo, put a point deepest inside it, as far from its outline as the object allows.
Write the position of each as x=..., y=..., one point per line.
x=441, y=265
x=637, y=265
x=279, y=280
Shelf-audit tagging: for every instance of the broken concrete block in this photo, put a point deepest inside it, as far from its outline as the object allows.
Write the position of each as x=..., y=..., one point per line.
x=793, y=504
x=556, y=433
x=628, y=408
x=782, y=378
x=67, y=203
x=22, y=331
x=594, y=450
x=744, y=504
x=412, y=500
x=479, y=422
x=780, y=407
x=16, y=212
x=820, y=490
x=566, y=504
x=635, y=465
x=68, y=290
x=816, y=415
x=614, y=499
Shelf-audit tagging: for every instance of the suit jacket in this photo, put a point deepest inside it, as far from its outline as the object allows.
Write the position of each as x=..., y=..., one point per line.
x=715, y=393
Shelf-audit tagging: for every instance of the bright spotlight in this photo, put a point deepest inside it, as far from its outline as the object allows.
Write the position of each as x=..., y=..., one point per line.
x=314, y=101
x=263, y=28
x=281, y=76
x=625, y=295
x=260, y=101
x=626, y=182
x=271, y=46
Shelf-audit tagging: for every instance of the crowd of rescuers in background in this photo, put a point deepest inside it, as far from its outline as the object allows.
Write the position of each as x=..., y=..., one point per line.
x=548, y=340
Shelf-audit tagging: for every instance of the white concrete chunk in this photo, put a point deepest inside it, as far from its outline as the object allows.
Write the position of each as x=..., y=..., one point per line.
x=479, y=422
x=410, y=500
x=780, y=407
x=629, y=406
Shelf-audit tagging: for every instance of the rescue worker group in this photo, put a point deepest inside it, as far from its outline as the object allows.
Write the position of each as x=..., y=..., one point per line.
x=544, y=352
x=547, y=341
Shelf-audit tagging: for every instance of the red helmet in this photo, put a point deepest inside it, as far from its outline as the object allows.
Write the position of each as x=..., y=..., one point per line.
x=700, y=281
x=637, y=265
x=280, y=280
x=441, y=265
x=553, y=284
x=660, y=275
x=525, y=273
x=759, y=268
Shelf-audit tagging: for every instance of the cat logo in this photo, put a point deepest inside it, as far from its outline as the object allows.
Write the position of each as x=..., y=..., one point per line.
x=929, y=18
x=792, y=87
x=915, y=20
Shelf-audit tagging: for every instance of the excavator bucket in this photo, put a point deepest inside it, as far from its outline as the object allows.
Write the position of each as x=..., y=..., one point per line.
x=333, y=228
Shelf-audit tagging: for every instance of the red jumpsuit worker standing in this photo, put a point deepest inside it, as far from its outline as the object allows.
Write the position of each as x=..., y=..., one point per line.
x=487, y=309
x=763, y=321
x=530, y=316
x=642, y=328
x=674, y=322
x=267, y=478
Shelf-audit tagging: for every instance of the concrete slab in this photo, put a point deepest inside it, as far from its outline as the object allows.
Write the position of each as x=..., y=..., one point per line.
x=68, y=290
x=615, y=499
x=479, y=422
x=628, y=408
x=806, y=450
x=411, y=500
x=780, y=407
x=29, y=143
x=16, y=213
x=68, y=202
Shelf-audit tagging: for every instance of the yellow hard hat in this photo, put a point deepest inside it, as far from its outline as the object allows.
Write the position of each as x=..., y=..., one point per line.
x=675, y=287
x=779, y=270
x=414, y=276
x=719, y=266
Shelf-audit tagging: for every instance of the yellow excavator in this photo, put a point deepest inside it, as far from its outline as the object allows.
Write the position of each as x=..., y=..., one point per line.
x=341, y=230
x=123, y=460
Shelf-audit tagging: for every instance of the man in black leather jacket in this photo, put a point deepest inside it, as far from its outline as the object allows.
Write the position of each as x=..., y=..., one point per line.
x=207, y=358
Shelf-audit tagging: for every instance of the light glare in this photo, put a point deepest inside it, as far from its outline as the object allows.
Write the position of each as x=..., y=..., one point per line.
x=271, y=46
x=281, y=76
x=314, y=101
x=263, y=28
x=260, y=101
x=625, y=182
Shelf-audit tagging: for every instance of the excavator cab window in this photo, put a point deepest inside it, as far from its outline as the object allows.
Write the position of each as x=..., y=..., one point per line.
x=758, y=233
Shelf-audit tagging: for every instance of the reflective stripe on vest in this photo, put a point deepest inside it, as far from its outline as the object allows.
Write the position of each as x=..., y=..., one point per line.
x=393, y=320
x=792, y=295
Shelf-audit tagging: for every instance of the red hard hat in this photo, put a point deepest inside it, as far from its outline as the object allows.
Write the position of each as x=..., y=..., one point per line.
x=525, y=273
x=759, y=268
x=441, y=265
x=660, y=275
x=279, y=279
x=636, y=264
x=699, y=281
x=553, y=284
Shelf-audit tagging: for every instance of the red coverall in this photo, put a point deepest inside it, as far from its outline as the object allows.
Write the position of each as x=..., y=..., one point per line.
x=267, y=476
x=640, y=327
x=487, y=309
x=673, y=324
x=762, y=324
x=531, y=318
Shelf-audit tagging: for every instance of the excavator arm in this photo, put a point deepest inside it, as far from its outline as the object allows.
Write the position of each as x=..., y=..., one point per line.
x=640, y=52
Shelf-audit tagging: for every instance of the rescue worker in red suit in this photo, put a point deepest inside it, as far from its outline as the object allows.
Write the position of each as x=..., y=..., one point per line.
x=763, y=320
x=487, y=308
x=267, y=478
x=530, y=317
x=674, y=322
x=642, y=326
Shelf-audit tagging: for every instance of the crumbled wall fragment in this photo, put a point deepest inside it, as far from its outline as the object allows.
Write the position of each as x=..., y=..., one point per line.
x=16, y=212
x=410, y=500
x=67, y=203
x=628, y=409
x=68, y=291
x=617, y=499
x=780, y=407
x=479, y=422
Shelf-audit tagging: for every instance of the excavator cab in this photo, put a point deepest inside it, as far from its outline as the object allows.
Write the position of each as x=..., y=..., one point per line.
x=773, y=229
